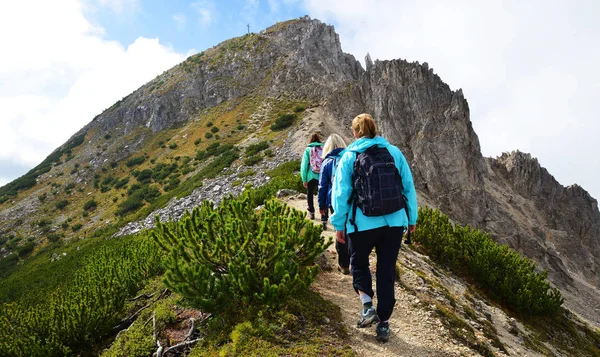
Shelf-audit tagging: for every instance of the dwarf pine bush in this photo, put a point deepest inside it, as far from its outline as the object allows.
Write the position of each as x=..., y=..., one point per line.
x=232, y=257
x=498, y=269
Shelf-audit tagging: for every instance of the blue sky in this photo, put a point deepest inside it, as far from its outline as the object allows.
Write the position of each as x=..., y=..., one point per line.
x=529, y=69
x=186, y=25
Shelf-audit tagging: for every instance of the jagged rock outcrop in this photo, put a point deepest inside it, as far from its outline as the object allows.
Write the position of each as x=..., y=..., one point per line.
x=511, y=196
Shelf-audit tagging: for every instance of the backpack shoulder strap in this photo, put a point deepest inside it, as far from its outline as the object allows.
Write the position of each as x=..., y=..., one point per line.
x=352, y=199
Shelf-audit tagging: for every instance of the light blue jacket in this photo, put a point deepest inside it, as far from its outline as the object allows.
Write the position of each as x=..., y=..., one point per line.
x=342, y=188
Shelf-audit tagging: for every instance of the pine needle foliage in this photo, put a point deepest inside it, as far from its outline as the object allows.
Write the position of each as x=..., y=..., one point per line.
x=74, y=317
x=499, y=270
x=233, y=257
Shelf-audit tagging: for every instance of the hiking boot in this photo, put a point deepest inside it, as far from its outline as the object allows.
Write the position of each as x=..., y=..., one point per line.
x=344, y=271
x=324, y=226
x=367, y=317
x=383, y=332
x=311, y=215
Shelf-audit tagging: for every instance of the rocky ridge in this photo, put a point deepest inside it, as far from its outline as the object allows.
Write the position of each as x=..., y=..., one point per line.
x=511, y=196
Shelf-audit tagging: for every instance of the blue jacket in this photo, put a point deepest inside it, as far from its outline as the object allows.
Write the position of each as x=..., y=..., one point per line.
x=325, y=176
x=306, y=172
x=342, y=188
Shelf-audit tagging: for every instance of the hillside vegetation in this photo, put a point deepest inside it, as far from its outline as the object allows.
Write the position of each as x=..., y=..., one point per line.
x=235, y=275
x=247, y=271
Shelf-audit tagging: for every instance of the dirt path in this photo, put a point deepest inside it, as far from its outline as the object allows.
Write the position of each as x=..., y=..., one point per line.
x=415, y=331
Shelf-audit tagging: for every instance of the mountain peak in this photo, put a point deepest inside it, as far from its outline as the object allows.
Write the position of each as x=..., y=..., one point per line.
x=169, y=132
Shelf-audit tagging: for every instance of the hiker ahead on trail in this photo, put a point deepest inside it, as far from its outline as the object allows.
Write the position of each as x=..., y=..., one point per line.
x=375, y=201
x=310, y=169
x=332, y=152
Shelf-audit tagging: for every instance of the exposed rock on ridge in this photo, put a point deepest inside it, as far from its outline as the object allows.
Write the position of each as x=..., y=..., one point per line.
x=512, y=196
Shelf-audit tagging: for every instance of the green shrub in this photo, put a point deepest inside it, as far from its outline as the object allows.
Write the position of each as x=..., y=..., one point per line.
x=241, y=127
x=256, y=148
x=90, y=205
x=137, y=195
x=143, y=176
x=61, y=204
x=135, y=161
x=69, y=187
x=53, y=237
x=162, y=171
x=227, y=154
x=26, y=248
x=229, y=257
x=252, y=160
x=299, y=108
x=173, y=146
x=197, y=141
x=283, y=121
x=173, y=183
x=208, y=135
x=269, y=153
x=76, y=227
x=43, y=222
x=121, y=183
x=214, y=129
x=247, y=173
x=42, y=197
x=502, y=272
x=108, y=181
x=201, y=155
x=209, y=124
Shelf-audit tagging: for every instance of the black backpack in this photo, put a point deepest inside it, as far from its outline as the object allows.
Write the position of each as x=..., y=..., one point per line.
x=376, y=184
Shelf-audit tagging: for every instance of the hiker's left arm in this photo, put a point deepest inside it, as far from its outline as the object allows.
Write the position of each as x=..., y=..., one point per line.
x=408, y=188
x=324, y=178
x=341, y=190
x=304, y=166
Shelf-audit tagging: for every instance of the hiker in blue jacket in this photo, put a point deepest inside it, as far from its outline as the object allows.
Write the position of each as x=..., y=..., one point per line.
x=381, y=232
x=309, y=170
x=332, y=151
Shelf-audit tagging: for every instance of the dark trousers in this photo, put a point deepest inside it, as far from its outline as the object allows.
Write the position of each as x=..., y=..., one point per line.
x=313, y=186
x=386, y=241
x=343, y=255
x=341, y=249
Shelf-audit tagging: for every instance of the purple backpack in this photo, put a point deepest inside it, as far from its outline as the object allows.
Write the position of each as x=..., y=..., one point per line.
x=315, y=158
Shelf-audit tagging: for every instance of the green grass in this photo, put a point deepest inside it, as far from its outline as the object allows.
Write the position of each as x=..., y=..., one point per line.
x=297, y=329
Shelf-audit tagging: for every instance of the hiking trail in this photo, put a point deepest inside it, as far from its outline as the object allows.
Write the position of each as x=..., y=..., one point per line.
x=415, y=330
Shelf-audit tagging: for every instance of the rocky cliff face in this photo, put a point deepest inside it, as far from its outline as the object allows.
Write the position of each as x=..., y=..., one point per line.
x=511, y=196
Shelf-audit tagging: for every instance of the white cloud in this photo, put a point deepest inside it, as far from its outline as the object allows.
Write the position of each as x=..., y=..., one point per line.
x=118, y=6
x=205, y=10
x=529, y=70
x=180, y=21
x=57, y=75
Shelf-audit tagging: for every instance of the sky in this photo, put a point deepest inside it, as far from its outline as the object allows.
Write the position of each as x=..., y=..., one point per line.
x=529, y=69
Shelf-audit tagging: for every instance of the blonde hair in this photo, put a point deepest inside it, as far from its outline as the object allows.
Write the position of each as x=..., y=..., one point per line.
x=334, y=141
x=364, y=125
